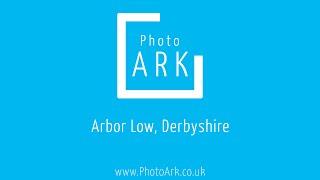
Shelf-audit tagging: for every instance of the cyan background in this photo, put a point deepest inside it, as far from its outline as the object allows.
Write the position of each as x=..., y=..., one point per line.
x=261, y=73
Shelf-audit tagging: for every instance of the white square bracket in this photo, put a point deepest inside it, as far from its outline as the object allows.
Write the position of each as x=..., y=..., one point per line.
x=123, y=93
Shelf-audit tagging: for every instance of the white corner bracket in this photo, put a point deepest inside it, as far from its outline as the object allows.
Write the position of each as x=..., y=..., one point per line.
x=123, y=93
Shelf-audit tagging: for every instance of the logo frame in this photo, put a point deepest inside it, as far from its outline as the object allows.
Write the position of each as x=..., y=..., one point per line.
x=123, y=93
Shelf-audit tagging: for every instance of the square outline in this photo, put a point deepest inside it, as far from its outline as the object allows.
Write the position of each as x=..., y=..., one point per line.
x=123, y=93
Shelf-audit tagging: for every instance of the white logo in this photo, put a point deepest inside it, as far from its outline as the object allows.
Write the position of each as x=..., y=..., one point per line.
x=123, y=93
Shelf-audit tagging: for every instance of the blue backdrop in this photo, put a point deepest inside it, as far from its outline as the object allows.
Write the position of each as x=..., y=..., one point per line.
x=261, y=74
